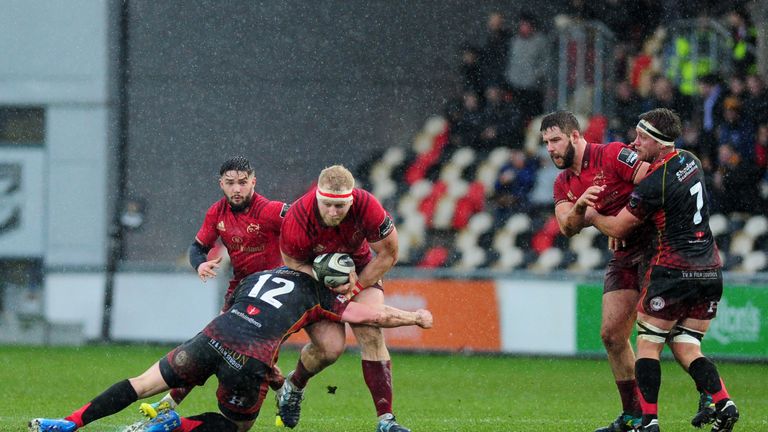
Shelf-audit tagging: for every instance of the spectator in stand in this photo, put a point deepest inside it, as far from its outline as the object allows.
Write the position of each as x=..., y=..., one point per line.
x=744, y=36
x=736, y=183
x=756, y=103
x=627, y=105
x=466, y=121
x=513, y=186
x=471, y=72
x=665, y=95
x=737, y=88
x=493, y=58
x=709, y=116
x=736, y=131
x=527, y=67
x=761, y=149
x=501, y=123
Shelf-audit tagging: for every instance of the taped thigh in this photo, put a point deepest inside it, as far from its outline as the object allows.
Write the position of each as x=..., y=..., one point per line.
x=682, y=334
x=651, y=333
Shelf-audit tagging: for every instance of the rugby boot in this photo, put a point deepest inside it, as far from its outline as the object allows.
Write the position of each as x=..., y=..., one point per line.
x=51, y=425
x=165, y=421
x=288, y=404
x=653, y=426
x=706, y=413
x=624, y=422
x=387, y=423
x=151, y=410
x=726, y=418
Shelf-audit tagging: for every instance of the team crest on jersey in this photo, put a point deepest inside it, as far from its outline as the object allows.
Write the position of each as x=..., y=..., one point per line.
x=657, y=304
x=181, y=358
x=627, y=157
x=237, y=239
x=252, y=228
x=253, y=310
x=220, y=226
x=386, y=227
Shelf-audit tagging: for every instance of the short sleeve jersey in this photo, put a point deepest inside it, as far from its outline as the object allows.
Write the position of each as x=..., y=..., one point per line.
x=674, y=196
x=304, y=235
x=613, y=165
x=268, y=307
x=250, y=236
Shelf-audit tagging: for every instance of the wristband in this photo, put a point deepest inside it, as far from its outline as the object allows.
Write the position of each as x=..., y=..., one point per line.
x=357, y=288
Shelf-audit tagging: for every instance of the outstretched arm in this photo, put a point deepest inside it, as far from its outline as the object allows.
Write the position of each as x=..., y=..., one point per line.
x=385, y=316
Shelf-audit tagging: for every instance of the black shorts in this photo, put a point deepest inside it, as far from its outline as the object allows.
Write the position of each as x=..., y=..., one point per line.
x=242, y=379
x=674, y=294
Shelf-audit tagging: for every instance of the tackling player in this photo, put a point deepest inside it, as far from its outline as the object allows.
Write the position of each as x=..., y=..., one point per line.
x=240, y=348
x=616, y=167
x=337, y=217
x=684, y=283
x=249, y=227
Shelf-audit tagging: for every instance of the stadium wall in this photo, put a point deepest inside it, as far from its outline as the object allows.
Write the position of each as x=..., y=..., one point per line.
x=526, y=316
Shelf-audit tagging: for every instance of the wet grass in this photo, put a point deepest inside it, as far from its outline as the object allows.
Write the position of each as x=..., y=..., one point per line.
x=432, y=392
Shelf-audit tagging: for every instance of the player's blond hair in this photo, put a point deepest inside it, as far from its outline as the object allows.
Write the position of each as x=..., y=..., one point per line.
x=336, y=178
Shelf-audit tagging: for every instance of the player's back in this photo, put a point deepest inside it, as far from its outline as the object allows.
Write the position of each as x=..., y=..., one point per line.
x=268, y=307
x=675, y=195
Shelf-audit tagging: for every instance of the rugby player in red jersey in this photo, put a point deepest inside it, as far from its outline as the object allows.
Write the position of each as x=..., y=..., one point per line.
x=616, y=167
x=240, y=347
x=337, y=217
x=684, y=281
x=249, y=227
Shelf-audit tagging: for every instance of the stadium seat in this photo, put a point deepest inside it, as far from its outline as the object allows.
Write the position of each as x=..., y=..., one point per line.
x=471, y=259
x=463, y=157
x=393, y=157
x=435, y=125
x=443, y=213
x=718, y=224
x=480, y=223
x=756, y=226
x=509, y=259
x=741, y=244
x=587, y=259
x=548, y=260
x=753, y=262
x=583, y=240
x=434, y=257
x=384, y=189
x=518, y=223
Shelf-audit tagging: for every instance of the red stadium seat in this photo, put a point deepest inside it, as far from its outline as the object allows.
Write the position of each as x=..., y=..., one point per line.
x=434, y=257
x=545, y=237
x=596, y=128
x=421, y=165
x=428, y=205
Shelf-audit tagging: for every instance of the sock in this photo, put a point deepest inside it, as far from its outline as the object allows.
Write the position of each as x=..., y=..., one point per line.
x=628, y=392
x=378, y=378
x=301, y=375
x=178, y=394
x=648, y=374
x=706, y=377
x=207, y=422
x=112, y=400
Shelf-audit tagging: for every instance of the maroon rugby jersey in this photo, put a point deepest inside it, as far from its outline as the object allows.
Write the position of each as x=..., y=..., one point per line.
x=250, y=236
x=304, y=236
x=268, y=307
x=613, y=165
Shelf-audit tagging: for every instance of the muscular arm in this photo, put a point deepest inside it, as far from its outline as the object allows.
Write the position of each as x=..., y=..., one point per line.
x=642, y=170
x=570, y=218
x=297, y=265
x=618, y=226
x=386, y=257
x=385, y=316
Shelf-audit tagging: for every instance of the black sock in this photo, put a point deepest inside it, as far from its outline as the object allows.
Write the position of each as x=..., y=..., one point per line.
x=208, y=422
x=648, y=373
x=704, y=374
x=112, y=400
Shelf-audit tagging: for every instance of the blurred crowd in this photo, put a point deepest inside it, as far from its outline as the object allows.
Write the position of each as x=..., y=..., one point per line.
x=504, y=84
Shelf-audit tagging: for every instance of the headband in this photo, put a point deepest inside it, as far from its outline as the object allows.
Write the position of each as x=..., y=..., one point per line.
x=656, y=134
x=325, y=194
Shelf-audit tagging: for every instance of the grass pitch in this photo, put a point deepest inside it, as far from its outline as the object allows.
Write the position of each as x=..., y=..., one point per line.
x=432, y=392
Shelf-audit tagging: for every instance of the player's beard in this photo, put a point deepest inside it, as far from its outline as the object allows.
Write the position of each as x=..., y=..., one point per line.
x=244, y=204
x=567, y=158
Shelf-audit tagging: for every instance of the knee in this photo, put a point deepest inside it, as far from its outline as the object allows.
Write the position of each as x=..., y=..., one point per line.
x=613, y=340
x=328, y=352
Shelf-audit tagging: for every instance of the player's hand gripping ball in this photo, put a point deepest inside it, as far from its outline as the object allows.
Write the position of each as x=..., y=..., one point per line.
x=333, y=269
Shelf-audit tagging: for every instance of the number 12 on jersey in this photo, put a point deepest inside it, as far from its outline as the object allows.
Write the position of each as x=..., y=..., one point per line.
x=284, y=286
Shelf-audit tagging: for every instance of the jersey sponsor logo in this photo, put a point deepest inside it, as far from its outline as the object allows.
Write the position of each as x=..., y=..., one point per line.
x=657, y=304
x=386, y=227
x=341, y=298
x=252, y=228
x=284, y=210
x=252, y=310
x=245, y=317
x=237, y=239
x=683, y=173
x=220, y=226
x=627, y=157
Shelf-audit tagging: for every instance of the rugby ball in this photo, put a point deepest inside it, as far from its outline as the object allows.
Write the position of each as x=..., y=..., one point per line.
x=332, y=269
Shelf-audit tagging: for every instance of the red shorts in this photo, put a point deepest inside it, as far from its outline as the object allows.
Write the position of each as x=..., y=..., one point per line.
x=620, y=275
x=674, y=294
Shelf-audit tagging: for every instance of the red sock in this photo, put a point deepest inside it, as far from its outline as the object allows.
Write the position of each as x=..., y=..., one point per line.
x=77, y=416
x=188, y=425
x=178, y=394
x=378, y=377
x=628, y=391
x=720, y=395
x=301, y=375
